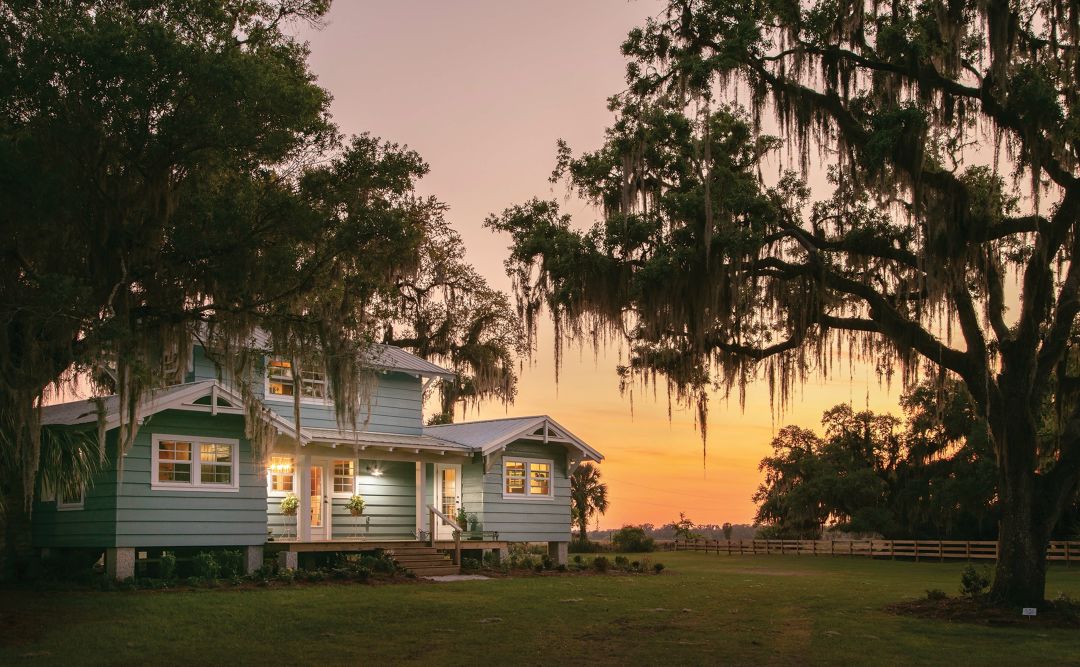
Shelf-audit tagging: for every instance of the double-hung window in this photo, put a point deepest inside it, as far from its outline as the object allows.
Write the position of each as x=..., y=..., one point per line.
x=281, y=381
x=527, y=478
x=282, y=474
x=186, y=463
x=344, y=477
x=71, y=497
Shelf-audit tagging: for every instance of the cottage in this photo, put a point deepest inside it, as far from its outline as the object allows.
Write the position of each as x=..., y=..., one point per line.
x=192, y=480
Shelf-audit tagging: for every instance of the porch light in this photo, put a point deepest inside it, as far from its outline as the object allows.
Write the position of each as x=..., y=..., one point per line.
x=375, y=471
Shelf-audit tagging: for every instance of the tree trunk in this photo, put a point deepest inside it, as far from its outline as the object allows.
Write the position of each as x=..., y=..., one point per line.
x=16, y=549
x=1020, y=578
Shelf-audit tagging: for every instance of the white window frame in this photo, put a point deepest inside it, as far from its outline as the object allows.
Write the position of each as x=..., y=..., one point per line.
x=196, y=465
x=278, y=398
x=334, y=477
x=529, y=495
x=270, y=491
x=61, y=506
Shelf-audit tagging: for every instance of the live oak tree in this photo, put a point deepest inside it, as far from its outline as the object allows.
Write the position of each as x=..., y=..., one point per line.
x=447, y=313
x=169, y=169
x=944, y=243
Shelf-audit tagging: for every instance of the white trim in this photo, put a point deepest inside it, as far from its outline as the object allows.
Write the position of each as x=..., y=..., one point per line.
x=61, y=506
x=196, y=468
x=326, y=530
x=355, y=478
x=270, y=492
x=529, y=495
x=446, y=532
x=288, y=400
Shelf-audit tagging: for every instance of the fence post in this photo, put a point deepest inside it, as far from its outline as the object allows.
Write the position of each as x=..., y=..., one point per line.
x=832, y=547
x=967, y=550
x=940, y=552
x=871, y=549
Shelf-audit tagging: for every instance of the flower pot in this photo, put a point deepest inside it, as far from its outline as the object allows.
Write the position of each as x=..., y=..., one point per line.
x=356, y=512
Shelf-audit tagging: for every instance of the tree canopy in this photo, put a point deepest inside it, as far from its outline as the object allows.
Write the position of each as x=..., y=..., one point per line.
x=948, y=133
x=169, y=168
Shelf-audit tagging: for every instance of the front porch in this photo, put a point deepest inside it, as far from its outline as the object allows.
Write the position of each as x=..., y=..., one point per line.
x=397, y=481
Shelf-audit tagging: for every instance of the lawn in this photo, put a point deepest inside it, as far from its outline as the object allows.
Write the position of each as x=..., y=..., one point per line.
x=702, y=609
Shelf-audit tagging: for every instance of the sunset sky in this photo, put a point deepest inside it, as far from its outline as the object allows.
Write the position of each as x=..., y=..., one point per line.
x=482, y=89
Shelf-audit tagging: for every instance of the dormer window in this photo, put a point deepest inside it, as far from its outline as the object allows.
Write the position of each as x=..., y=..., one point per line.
x=282, y=382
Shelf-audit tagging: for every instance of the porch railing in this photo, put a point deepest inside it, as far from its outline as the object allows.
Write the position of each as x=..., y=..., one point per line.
x=450, y=522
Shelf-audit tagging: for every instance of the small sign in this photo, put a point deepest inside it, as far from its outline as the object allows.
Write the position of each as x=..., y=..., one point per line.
x=1030, y=611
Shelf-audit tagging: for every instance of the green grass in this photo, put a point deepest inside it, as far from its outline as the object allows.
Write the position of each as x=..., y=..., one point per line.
x=702, y=609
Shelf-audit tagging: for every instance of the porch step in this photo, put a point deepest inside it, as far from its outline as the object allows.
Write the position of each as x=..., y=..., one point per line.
x=424, y=561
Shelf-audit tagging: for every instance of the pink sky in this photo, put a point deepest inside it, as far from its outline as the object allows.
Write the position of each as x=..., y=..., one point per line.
x=482, y=89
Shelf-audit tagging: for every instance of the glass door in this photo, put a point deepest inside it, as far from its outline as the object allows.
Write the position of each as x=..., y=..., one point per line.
x=318, y=503
x=448, y=494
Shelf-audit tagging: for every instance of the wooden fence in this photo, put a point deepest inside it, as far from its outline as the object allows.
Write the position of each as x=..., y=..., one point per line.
x=939, y=550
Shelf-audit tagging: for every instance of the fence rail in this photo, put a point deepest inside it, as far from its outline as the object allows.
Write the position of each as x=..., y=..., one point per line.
x=1067, y=552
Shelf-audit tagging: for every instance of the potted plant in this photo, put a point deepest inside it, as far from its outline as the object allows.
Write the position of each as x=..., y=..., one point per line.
x=289, y=505
x=355, y=505
x=462, y=519
x=474, y=526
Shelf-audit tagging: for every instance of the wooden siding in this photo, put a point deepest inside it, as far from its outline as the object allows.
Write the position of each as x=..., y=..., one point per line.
x=160, y=518
x=529, y=520
x=396, y=406
x=92, y=526
x=390, y=510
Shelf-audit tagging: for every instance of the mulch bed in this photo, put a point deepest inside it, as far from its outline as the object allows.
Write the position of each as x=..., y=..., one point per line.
x=1057, y=614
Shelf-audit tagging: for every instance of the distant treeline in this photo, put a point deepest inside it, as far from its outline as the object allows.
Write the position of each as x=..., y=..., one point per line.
x=740, y=531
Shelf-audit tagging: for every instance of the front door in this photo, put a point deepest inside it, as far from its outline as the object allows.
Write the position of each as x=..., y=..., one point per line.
x=320, y=529
x=448, y=497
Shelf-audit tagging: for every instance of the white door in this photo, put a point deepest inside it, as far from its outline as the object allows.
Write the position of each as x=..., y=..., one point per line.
x=447, y=497
x=320, y=504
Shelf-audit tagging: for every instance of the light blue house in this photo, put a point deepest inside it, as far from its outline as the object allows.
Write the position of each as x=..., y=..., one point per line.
x=191, y=479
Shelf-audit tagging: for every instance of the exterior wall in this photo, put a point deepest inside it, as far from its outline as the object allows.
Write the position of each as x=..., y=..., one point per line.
x=92, y=526
x=519, y=520
x=148, y=517
x=390, y=503
x=396, y=405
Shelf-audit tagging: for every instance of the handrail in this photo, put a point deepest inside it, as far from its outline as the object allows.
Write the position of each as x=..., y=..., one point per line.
x=457, y=532
x=445, y=518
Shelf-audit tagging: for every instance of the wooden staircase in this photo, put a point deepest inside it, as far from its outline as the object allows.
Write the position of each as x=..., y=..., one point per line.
x=422, y=560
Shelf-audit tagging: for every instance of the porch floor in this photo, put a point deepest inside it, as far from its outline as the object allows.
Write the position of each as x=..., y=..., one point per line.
x=358, y=545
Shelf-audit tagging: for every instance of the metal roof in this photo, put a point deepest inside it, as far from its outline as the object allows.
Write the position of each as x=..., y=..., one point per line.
x=372, y=438
x=391, y=358
x=494, y=434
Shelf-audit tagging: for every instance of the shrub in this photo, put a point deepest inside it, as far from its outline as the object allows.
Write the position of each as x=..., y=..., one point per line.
x=562, y=568
x=547, y=562
x=205, y=566
x=974, y=582
x=579, y=560
x=632, y=539
x=167, y=566
x=658, y=568
x=470, y=564
x=601, y=564
x=362, y=573
x=230, y=563
x=935, y=594
x=622, y=563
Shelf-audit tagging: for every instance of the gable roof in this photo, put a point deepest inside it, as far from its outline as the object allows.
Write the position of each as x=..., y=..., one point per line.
x=392, y=358
x=492, y=435
x=177, y=397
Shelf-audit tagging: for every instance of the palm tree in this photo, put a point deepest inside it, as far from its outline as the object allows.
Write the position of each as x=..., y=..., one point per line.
x=588, y=495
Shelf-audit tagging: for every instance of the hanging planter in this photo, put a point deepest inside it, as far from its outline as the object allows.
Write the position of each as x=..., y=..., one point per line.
x=289, y=505
x=356, y=505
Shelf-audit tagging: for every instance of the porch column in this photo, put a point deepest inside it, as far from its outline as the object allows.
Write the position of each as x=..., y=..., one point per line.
x=421, y=497
x=303, y=513
x=120, y=563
